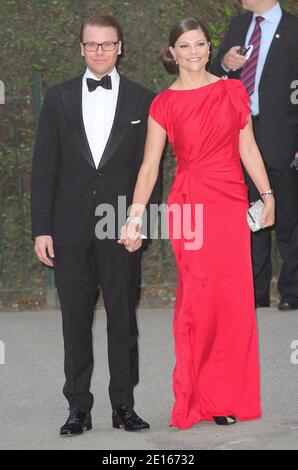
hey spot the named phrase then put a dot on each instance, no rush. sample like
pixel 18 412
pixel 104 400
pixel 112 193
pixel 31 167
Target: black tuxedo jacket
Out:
pixel 278 115
pixel 65 183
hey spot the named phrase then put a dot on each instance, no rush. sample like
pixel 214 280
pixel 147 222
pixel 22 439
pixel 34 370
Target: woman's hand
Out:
pixel 268 214
pixel 131 237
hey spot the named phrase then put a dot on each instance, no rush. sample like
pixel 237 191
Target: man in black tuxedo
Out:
pixel 88 152
pixel 270 76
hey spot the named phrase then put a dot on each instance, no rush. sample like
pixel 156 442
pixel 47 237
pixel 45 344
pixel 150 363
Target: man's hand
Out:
pixel 44 246
pixel 233 60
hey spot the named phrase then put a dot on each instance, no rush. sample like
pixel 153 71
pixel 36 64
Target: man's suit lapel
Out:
pixel 73 108
pixel 72 99
pixel 277 41
pixel 243 25
pixel 120 123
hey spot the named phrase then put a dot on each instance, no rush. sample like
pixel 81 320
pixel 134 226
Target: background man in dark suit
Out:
pixel 88 152
pixel 269 75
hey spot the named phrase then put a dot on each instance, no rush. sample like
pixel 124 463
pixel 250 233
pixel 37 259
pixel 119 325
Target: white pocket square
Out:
pixel 136 122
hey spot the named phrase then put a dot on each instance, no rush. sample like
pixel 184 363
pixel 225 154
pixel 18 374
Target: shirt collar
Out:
pixel 114 76
pixel 273 15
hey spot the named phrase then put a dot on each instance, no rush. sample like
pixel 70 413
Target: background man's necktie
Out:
pixel 248 73
pixel 105 82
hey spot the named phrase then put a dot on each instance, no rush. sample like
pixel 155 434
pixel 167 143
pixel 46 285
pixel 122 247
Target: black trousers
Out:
pixel 79 270
pixel 285 186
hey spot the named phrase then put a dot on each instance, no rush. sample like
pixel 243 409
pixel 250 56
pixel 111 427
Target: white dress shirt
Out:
pixel 99 108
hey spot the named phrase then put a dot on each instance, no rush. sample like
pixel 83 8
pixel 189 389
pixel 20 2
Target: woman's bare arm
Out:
pixel 154 145
pixel 148 173
pixel 254 165
pixel 252 159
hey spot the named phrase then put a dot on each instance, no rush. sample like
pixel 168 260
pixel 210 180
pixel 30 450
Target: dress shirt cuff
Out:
pixel 225 68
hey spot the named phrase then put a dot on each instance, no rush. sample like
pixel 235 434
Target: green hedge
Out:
pixel 42 36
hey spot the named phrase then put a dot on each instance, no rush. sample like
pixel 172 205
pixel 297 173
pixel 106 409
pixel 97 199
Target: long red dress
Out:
pixel 216 345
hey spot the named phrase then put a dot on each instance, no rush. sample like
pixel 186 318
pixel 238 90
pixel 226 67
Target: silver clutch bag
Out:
pixel 254 215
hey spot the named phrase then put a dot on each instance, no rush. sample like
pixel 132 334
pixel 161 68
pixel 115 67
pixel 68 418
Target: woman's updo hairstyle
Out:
pixel 183 26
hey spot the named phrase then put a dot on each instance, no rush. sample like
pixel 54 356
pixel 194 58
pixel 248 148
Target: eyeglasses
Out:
pixel 106 46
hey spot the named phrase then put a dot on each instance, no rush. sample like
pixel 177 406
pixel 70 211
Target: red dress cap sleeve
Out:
pixel 157 111
pixel 244 108
pixel 240 100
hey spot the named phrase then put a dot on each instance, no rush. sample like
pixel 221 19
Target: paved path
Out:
pixel 32 407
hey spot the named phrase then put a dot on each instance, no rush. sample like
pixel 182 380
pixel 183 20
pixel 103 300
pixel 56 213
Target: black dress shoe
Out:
pixel 125 417
pixel 224 420
pixel 77 423
pixel 286 305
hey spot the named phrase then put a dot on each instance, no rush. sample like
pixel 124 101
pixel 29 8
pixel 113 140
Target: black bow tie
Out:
pixel 105 82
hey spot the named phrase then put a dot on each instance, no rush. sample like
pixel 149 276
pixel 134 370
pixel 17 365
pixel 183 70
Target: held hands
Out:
pixel 233 60
pixel 131 236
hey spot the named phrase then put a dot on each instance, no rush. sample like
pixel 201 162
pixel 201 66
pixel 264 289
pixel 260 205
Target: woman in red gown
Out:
pixel 208 125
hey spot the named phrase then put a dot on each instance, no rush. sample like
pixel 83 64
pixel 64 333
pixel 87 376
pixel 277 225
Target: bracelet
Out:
pixel 268 193
pixel 135 220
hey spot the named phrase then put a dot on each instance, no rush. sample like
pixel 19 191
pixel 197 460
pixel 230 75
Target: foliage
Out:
pixel 38 35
